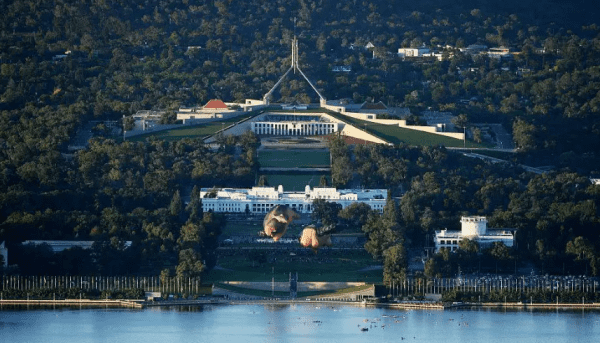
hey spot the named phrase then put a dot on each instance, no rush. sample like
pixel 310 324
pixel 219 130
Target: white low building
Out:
pixel 295 124
pixel 294 128
pixel 263 199
pixel 412 52
pixel 473 228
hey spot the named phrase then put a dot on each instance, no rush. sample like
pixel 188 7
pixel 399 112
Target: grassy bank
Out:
pixel 196 131
pixel 264 293
pixel 396 135
pixel 294 158
pixel 259 265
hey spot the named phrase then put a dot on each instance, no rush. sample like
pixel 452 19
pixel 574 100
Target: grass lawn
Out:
pixel 198 131
pixel 396 135
pixel 252 227
pixel 262 293
pixel 323 266
pixel 295 181
pixel 294 158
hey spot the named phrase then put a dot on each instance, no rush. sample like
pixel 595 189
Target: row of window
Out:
pixel 265 207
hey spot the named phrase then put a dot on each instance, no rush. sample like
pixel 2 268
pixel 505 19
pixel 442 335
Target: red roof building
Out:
pixel 215 105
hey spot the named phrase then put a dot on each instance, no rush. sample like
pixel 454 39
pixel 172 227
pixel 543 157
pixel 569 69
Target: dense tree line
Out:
pixel 555 214
pixel 124 56
pixel 63 63
pixel 114 193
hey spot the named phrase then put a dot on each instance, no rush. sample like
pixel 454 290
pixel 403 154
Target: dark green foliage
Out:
pixel 326 212
pixel 126 56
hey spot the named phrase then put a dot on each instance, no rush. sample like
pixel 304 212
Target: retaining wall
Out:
pixel 302 286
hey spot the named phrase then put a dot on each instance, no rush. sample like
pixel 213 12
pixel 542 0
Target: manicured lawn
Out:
pixel 262 293
pixel 396 135
pixel 198 131
pixel 331 267
pixel 295 181
pixel 252 227
pixel 294 158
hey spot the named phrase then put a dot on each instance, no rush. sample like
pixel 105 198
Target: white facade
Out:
pixel 412 52
pixel 500 52
pixel 263 199
pixel 473 228
pixel 294 128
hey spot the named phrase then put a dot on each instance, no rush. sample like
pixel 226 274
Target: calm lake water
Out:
pixel 294 323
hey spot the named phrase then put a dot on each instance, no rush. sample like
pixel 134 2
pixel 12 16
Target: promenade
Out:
pixel 326 301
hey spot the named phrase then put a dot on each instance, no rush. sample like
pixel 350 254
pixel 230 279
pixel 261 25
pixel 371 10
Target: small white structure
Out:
pixel 263 199
pixel 214 109
pixel 501 52
pixel 152 296
pixel 473 228
pixel 412 52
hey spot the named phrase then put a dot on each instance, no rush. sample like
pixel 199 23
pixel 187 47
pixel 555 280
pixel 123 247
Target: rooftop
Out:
pixel 215 104
pixel 278 193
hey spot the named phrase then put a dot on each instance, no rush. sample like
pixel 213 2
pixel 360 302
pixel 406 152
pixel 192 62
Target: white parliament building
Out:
pixel 295 124
pixel 473 228
pixel 262 199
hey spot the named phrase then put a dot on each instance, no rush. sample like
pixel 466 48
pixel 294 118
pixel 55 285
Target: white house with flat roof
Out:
pixel 263 199
pixel 413 52
pixel 473 228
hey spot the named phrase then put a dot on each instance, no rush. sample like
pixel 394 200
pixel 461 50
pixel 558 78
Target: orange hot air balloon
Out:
pixel 277 220
pixel 314 238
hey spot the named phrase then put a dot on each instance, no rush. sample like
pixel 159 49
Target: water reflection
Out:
pixel 295 323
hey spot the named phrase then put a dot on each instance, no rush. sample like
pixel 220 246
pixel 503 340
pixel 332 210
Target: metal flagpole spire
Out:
pixel 295 66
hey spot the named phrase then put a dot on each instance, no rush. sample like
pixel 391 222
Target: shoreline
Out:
pixel 139 304
pixel 73 302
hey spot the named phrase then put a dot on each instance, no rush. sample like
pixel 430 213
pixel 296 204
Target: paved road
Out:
pixel 503 138
pixel 497 160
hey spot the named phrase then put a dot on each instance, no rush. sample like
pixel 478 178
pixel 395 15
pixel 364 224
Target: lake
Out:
pixel 294 323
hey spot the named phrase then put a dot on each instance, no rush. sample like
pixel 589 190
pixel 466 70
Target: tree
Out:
pixel 190 264
pixel 323 181
pixel 341 171
pixel 460 120
pixel 190 235
pixel 468 246
pixel 176 204
pixel 194 207
pixel 262 181
pixel 583 249
pixel 431 268
pixel 500 253
pixel 128 123
pixel 476 135
pixel 326 212
pixel 467 252
pixel 524 135
pixel 394 264
pixel 355 215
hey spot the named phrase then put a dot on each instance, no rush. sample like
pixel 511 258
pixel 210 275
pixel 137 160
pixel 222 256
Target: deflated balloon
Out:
pixel 314 238
pixel 277 220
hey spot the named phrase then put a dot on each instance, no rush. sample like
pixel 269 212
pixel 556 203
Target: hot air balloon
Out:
pixel 277 220
pixel 315 238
